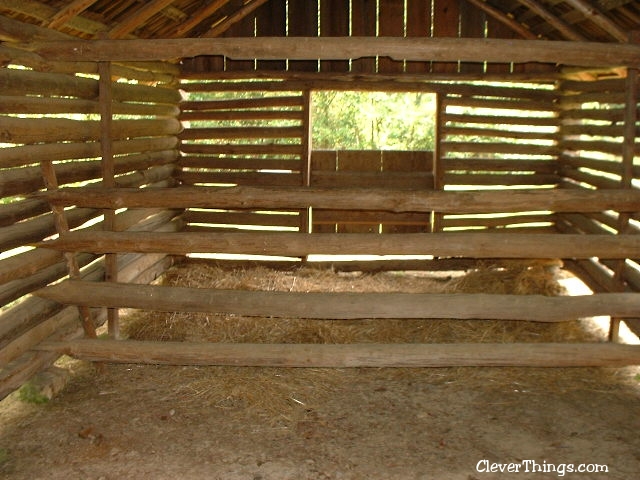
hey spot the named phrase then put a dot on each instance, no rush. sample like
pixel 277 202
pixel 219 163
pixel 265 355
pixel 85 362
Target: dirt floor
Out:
pixel 161 422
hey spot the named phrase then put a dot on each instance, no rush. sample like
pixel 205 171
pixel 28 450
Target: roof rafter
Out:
pixel 224 25
pixel 136 19
pixel 504 18
pixel 67 13
pixel 598 17
pixel 564 28
pixel 198 17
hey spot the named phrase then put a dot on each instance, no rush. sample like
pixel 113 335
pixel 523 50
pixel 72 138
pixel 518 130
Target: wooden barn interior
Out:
pixel 137 134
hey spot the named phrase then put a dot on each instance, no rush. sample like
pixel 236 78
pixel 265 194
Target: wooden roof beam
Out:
pixel 564 28
pixel 583 54
pixel 67 13
pixel 226 24
pixel 599 18
pixel 504 18
pixel 198 17
pixel 137 18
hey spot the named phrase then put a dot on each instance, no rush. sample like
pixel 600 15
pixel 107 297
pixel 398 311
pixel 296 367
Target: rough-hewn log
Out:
pixel 344 48
pixel 30 130
pixel 47 105
pixel 25 180
pixel 351 355
pixel 28 154
pixel 450 244
pixel 560 200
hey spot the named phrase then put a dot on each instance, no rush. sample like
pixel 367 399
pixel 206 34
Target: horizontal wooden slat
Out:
pixel 243 103
pixel 320 216
pixel 231 133
pixel 241 218
pixel 230 163
pixel 343 305
pixel 241 178
pixel 242 115
pixel 454 244
pixel 559 200
pixel 350 355
pixel 388 179
pixel 499 165
pixel 253 149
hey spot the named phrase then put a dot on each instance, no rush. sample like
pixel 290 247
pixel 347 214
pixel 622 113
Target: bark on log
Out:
pixel 351 355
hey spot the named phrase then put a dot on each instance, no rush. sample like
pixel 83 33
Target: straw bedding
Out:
pixel 278 392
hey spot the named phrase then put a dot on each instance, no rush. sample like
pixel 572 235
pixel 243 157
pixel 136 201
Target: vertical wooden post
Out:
pixel 62 226
pixel 437 167
pixel 108 181
pixel 305 158
pixel 628 154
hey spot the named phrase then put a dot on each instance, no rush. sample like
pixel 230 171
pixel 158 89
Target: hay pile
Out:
pixel 506 278
pixel 279 392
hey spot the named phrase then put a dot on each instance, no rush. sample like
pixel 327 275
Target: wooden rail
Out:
pixel 343 305
pixel 557 200
pixel 447 244
pixel 351 355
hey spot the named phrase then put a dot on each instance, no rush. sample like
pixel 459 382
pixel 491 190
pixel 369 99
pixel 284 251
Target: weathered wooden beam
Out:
pixel 448 244
pixel 343 305
pixel 351 355
pixel 344 48
pixel 557 200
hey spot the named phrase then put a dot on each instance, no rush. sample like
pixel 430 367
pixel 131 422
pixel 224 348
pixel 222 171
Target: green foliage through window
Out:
pixel 373 120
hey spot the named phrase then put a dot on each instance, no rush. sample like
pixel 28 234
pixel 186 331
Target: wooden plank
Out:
pixel 559 200
pixel 303 23
pixel 351 355
pixel 446 21
pixel 590 54
pixel 364 24
pixel 390 24
pixel 418 25
pixel 334 22
pixel 271 22
pixel 449 244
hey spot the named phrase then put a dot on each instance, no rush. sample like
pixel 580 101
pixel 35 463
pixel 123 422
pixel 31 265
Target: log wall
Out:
pixel 54 133
pixel 241 135
pixel 598 144
pixel 496 137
